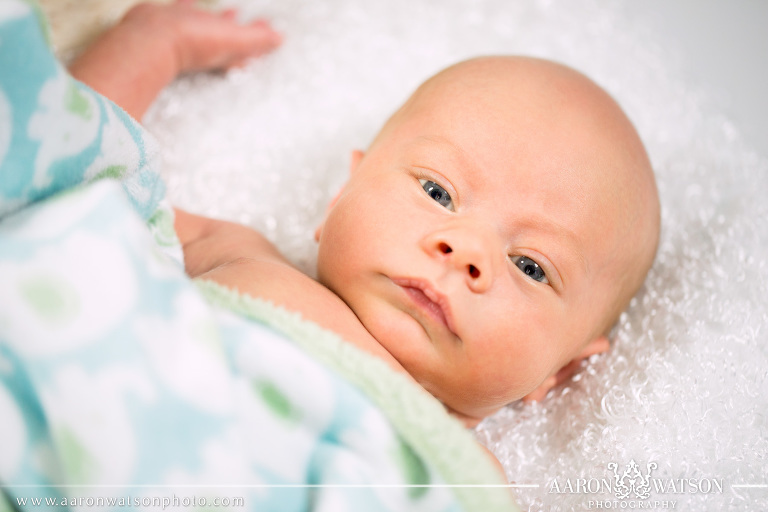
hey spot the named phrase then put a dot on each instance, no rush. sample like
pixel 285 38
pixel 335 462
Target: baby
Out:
pixel 485 242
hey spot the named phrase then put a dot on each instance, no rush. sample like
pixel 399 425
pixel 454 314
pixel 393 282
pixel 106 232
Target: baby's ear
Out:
pixel 354 161
pixel 596 346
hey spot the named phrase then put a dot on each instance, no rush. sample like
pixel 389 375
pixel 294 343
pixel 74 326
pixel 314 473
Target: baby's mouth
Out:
pixel 428 300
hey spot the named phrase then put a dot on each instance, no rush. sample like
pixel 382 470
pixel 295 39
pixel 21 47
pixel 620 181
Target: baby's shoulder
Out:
pixel 242 259
pixel 277 281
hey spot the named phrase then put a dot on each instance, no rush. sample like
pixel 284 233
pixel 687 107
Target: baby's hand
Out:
pixel 204 40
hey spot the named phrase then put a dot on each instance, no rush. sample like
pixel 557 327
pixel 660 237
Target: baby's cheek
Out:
pixel 525 352
pixel 332 267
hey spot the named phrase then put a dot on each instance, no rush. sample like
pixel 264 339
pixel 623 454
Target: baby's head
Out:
pixel 494 230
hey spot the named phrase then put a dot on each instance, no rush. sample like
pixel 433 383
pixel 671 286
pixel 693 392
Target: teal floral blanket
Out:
pixel 123 383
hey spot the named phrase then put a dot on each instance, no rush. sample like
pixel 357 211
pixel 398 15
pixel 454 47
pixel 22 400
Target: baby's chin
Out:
pixel 475 410
pixel 471 416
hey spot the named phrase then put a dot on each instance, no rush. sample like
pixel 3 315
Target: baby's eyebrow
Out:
pixel 457 157
pixel 561 234
pixel 429 141
pixel 437 139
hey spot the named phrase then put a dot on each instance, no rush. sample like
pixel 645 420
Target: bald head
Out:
pixel 494 230
pixel 553 114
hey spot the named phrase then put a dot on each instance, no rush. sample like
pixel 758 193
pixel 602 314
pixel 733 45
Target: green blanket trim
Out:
pixel 419 419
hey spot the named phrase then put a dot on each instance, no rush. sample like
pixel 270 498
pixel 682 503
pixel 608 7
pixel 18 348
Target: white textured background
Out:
pixel 686 384
pixel 723 48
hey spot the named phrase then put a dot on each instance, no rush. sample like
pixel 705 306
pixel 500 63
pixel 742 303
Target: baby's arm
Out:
pixel 132 62
pixel 243 259
pixel 210 243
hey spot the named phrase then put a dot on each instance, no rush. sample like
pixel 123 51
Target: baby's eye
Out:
pixel 437 193
pixel 530 268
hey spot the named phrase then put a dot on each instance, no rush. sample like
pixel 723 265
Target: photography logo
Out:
pixel 632 482
pixel 634 486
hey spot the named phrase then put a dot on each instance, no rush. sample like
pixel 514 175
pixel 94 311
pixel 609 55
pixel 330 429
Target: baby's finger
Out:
pixel 264 36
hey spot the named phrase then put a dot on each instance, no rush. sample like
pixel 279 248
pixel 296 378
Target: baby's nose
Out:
pixel 464 252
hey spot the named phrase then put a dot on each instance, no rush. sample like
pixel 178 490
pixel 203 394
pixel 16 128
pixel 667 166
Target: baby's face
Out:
pixel 475 241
